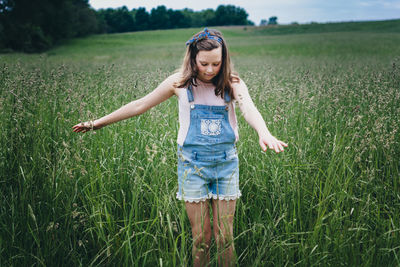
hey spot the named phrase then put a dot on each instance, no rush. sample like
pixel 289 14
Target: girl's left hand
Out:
pixel 272 143
pixel 85 127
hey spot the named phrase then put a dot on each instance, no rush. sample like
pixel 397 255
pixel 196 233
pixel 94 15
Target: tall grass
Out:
pixel 331 199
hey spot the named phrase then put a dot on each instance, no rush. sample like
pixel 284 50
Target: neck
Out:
pixel 207 82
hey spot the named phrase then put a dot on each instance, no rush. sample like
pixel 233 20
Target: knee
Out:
pixel 202 237
pixel 224 240
pixel 223 236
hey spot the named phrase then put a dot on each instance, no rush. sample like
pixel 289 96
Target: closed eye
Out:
pixel 214 64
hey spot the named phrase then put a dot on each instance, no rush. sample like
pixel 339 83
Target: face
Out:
pixel 208 64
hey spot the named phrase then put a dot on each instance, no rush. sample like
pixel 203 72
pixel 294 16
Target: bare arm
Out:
pixel 164 91
pixel 254 118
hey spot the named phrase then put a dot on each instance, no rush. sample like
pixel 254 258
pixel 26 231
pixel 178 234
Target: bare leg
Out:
pixel 223 213
pixel 199 218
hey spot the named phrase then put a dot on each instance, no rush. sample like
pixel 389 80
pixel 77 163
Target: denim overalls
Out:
pixel 208 164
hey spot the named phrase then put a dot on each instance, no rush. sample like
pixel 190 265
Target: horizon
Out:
pixel 287 11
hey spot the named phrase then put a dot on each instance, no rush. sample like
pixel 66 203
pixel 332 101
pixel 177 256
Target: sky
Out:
pixel 287 11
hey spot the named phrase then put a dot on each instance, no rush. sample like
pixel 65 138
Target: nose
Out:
pixel 209 69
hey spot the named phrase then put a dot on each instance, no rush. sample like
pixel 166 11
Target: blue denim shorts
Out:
pixel 208 174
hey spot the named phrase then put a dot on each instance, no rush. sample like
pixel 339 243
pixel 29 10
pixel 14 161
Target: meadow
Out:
pixel 108 198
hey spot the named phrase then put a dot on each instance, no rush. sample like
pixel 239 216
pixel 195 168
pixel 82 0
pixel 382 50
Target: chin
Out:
pixel 204 78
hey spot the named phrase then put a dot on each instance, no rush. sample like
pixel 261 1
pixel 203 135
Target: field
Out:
pixel 108 198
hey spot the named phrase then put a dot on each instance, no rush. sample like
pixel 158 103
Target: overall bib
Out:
pixel 208 164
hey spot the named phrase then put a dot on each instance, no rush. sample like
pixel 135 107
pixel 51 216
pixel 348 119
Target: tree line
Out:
pixel 34 26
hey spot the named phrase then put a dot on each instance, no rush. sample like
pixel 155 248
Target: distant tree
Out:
pixel 188 14
pixel 86 21
pixel 263 22
pixel 273 20
pixel 30 25
pixel 101 22
pixel 117 20
pixel 251 23
pixel 142 19
pixel 124 20
pixel 195 19
pixel 177 19
pixel 222 16
pixel 37 25
pixel 209 17
pixel 230 15
pixel 159 18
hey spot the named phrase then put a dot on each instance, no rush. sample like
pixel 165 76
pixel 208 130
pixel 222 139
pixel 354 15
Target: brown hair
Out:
pixel 226 75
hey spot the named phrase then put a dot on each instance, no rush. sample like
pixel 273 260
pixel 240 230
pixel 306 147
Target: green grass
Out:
pixel 331 199
pixel 388 26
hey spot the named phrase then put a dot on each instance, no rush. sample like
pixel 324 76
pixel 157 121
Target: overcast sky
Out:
pixel 287 11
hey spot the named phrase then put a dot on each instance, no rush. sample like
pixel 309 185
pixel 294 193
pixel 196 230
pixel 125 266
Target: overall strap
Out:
pixel 227 96
pixel 189 91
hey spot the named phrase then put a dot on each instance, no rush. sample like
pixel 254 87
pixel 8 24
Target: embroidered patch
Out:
pixel 210 127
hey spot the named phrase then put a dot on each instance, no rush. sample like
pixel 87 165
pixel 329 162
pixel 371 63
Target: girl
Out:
pixel 208 173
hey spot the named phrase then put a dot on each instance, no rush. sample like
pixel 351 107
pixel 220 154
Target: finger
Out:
pixel 77 125
pixel 270 146
pixel 263 146
pixel 276 148
pixel 280 147
pixel 284 144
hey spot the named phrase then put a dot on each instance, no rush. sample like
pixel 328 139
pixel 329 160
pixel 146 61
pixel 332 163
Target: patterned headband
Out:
pixel 205 34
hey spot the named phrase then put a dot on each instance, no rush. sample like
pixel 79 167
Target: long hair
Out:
pixel 226 75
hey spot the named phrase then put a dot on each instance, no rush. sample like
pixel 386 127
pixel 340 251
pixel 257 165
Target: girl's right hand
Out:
pixel 269 141
pixel 84 127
